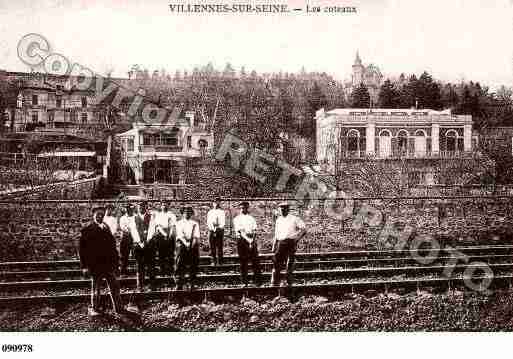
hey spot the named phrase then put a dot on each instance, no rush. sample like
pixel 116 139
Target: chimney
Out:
pixel 189 115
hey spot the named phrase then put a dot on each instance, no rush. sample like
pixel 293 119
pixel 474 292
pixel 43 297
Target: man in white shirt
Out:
pixel 289 229
pixel 145 250
pixel 111 220
pixel 215 224
pixel 163 226
pixel 245 227
pixel 128 231
pixel 187 248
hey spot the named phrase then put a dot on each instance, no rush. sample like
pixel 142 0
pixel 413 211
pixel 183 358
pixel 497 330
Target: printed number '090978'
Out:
pixel 16 348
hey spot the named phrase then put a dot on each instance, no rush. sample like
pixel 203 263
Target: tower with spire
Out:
pixel 358 70
pixel 369 75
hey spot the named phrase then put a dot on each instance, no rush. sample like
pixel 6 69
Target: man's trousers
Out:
pixel 216 245
pixel 248 252
pixel 144 259
pixel 186 257
pixel 124 251
pixel 166 253
pixel 113 284
pixel 284 255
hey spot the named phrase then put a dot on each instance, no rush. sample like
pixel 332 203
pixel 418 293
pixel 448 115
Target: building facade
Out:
pixel 62 154
pixel 348 135
pixel 158 152
pixel 369 75
pixel 50 102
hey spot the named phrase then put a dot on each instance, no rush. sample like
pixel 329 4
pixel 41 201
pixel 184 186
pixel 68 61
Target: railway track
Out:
pixel 362 255
pixel 232 278
pixel 349 269
pixel 71 273
pixel 235 293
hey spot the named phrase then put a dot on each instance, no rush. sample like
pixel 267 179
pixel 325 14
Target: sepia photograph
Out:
pixel 297 166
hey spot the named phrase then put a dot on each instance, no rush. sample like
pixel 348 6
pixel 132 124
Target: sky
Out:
pixel 452 40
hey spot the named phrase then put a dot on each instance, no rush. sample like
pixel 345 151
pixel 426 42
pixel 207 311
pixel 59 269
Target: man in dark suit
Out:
pixel 99 257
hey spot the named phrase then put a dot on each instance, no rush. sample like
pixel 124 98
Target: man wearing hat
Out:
pixel 99 257
pixel 143 249
pixel 110 219
pixel 215 223
pixel 128 232
pixel 245 227
pixel 187 248
pixel 165 224
pixel 289 229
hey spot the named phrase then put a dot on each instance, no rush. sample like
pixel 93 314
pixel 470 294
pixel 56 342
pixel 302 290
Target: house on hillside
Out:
pixel 158 152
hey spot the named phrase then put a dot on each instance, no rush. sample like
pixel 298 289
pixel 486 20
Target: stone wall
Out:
pixel 82 189
pixel 49 230
pixel 205 180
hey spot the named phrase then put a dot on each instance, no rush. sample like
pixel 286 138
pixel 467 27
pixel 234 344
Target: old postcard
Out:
pixel 296 166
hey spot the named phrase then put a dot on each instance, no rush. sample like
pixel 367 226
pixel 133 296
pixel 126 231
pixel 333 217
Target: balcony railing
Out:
pixel 407 155
pixel 160 148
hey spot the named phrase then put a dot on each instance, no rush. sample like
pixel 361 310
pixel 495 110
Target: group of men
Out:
pixel 149 235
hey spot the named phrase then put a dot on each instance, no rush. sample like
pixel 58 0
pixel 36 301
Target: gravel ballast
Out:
pixel 454 311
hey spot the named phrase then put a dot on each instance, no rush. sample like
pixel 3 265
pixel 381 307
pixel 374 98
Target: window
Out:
pixel 451 141
pixel 189 141
pixel 35 117
pixel 34 100
pixel 385 143
pixel 169 139
pixel 19 101
pixel 84 101
pixel 74 116
pixel 353 138
pixel 148 139
pixel 83 117
pixel 58 102
pixel 402 142
pixel 51 117
pixel 420 143
pixel 130 145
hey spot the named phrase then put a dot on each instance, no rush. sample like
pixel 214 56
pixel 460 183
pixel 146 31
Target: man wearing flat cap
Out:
pixel 289 229
pixel 215 224
pixel 245 227
pixel 187 248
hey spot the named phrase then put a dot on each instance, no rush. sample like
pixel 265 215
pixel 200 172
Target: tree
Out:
pixel 360 97
pixel 408 92
pixel 316 101
pixel 449 96
pixel 427 92
pixel 286 105
pixel 388 95
pixel 8 96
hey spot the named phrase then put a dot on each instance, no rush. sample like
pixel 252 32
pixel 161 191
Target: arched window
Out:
pixel 402 141
pixel 420 143
pixel 451 141
pixel 385 143
pixel 353 140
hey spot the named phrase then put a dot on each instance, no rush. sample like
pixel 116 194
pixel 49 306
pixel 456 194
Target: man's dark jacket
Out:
pixel 97 249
